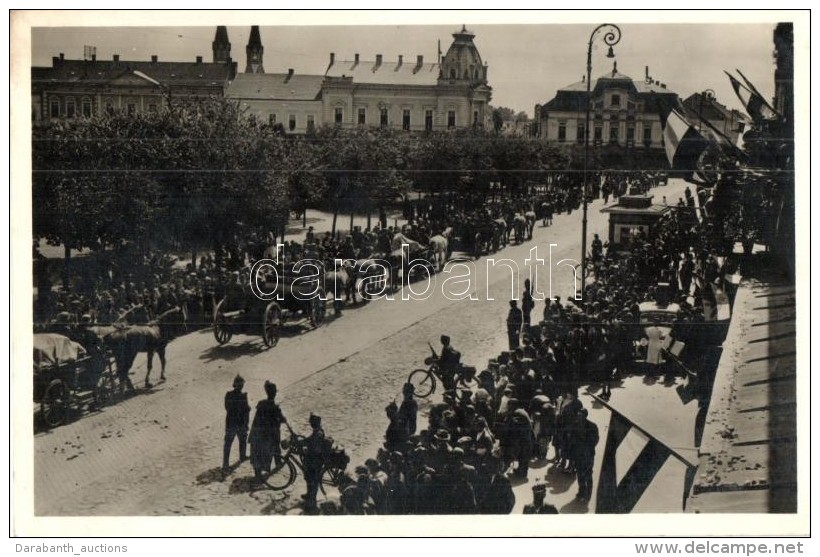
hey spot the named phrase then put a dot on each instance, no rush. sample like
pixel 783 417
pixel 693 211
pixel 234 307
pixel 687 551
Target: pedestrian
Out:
pixel 527 302
pixel 515 319
pixel 237 415
pixel 587 441
pixel 409 409
pixel 314 450
pixel 538 506
pixel 265 436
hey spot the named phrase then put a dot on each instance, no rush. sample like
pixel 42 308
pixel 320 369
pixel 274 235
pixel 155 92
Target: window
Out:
pixel 428 120
pixel 109 107
pixel 383 120
pixel 405 119
pixel 647 134
pixel 580 133
pixel 55 108
pixel 452 74
pixel 87 108
pixel 311 124
pixel 562 131
pixel 70 108
pixel 132 109
pixel 451 118
pixel 152 107
pixel 338 115
pixel 292 122
pixel 599 133
pixel 630 105
pixel 630 134
pixel 613 134
pixel 615 101
pixel 272 119
pixel 475 117
pixel 362 116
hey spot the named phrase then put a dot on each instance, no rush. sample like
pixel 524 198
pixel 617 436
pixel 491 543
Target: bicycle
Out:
pixel 284 472
pixel 424 380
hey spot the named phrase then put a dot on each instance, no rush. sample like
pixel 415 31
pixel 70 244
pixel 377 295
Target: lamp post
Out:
pixel 612 35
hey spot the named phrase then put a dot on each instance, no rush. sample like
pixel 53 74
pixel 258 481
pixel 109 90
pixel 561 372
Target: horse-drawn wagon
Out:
pixel 68 378
pixel 287 298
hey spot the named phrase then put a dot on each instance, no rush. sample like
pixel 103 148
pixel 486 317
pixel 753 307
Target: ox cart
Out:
pixel 67 378
pixel 243 312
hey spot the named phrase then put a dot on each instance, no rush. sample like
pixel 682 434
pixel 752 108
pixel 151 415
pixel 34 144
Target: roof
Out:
pixel 651 210
pixel 279 86
pixel 389 72
pixel 103 71
pixel 572 96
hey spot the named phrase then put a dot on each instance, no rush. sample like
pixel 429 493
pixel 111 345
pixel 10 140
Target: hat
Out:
pixel 314 420
pixel 238 380
pixel 371 462
pixel 442 435
pixel 465 440
pixel 270 388
pixel 408 388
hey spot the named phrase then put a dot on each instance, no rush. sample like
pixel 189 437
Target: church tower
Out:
pixel 462 63
pixel 254 52
pixel 221 46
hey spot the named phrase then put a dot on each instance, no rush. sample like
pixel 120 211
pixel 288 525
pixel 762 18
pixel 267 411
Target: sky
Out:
pixel 528 62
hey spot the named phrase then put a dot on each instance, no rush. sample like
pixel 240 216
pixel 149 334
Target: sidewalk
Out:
pixel 748 455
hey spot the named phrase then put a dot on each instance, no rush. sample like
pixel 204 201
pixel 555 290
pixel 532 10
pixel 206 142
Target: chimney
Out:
pixel 290 75
pixel 583 79
pixel 55 61
pixel 332 58
pixel 116 58
pixel 663 85
pixel 419 63
pixel 154 58
pixel 62 56
pixel 199 59
pixel 401 60
pixel 356 58
pixel 93 57
pixel 378 62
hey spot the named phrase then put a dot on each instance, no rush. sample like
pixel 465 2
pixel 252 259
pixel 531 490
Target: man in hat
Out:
pixel 265 436
pixel 587 438
pixel 236 421
pixel 515 319
pixel 314 448
pixel 539 493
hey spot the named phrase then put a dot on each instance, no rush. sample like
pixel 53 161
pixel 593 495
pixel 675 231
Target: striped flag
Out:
pixel 753 102
pixel 682 142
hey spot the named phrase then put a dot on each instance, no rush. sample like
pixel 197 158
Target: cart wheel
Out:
pixel 270 327
pixel 221 331
pixel 104 390
pixel 423 381
pixel 55 404
pixel 318 308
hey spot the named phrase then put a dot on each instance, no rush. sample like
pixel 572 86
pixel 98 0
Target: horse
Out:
pixel 531 218
pixel 341 281
pixel 520 227
pixel 440 246
pixel 128 341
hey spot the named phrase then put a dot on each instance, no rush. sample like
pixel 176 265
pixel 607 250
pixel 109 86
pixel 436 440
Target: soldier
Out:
pixel 527 302
pixel 539 493
pixel 265 434
pixel 409 409
pixel 587 441
pixel 314 447
pixel 236 421
pixel 448 363
pixel 515 319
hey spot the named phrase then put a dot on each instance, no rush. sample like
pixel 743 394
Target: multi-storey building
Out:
pixel 82 88
pixel 731 123
pixel 623 112
pixel 409 94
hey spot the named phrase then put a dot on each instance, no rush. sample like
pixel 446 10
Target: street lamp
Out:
pixel 612 35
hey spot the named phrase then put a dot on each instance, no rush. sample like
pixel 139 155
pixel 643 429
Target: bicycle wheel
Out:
pixel 281 476
pixel 330 477
pixel 423 381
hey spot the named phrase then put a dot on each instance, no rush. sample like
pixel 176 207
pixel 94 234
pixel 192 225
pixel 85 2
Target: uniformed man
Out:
pixel 587 441
pixel 236 421
pixel 448 363
pixel 539 493
pixel 515 320
pixel 314 460
pixel 265 436
pixel 527 302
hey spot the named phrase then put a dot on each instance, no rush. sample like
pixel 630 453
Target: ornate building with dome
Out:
pixel 410 94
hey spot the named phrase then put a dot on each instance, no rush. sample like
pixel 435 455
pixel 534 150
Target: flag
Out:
pixel 753 102
pixel 683 143
pixel 754 90
pixel 713 134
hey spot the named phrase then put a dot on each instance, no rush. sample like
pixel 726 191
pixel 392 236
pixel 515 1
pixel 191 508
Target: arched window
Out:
pixel 453 73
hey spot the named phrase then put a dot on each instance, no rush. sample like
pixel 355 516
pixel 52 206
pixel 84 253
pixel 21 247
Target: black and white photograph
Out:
pixel 409 264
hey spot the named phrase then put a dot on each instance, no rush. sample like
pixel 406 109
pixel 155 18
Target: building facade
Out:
pixel 83 88
pixel 413 95
pixel 624 112
pixel 731 123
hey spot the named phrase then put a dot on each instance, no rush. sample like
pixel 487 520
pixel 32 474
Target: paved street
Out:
pixel 158 453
